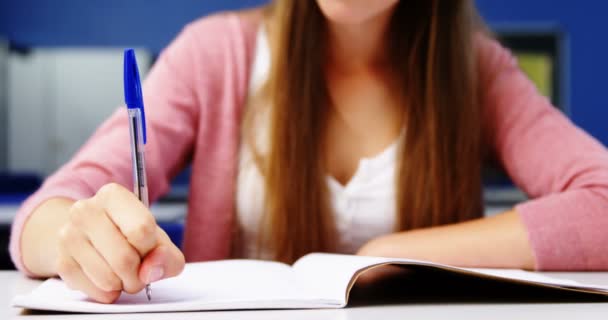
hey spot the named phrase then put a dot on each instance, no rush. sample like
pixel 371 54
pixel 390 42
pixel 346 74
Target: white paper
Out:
pixel 229 284
pixel 315 281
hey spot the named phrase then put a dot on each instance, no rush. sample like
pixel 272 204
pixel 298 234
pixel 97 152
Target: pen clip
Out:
pixel 132 86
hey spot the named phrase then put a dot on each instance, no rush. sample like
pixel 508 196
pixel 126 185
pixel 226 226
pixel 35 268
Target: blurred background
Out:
pixel 61 75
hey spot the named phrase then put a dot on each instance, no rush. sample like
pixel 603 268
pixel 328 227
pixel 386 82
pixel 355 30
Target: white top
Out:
pixel 364 208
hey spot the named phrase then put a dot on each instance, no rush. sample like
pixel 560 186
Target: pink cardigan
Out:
pixel 194 97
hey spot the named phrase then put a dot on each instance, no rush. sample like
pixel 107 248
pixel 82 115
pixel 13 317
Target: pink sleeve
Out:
pixel 562 168
pixel 172 113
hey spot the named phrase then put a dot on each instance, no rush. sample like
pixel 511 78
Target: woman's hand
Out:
pixel 111 243
pixel 500 241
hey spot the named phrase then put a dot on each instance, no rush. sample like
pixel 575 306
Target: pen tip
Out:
pixel 148 292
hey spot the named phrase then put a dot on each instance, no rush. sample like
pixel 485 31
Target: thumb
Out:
pixel 163 261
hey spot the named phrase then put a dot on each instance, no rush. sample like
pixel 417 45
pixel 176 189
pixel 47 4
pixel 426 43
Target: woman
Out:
pixel 341 126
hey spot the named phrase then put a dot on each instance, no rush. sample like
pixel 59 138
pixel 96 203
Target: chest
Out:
pixel 364 118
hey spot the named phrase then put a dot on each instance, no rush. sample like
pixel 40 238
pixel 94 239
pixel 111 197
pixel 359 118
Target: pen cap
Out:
pixel 132 85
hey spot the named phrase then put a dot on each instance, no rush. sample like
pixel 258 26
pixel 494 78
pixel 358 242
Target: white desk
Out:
pixel 12 283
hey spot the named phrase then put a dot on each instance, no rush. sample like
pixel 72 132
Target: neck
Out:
pixel 355 47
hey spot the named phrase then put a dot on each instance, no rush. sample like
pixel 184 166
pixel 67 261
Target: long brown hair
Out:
pixel 438 178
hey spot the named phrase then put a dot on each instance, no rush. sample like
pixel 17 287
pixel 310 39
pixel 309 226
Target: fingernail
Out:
pixel 155 274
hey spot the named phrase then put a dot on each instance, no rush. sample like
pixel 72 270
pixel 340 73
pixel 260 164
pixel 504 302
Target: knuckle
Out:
pixel 126 261
pixel 78 206
pixel 76 211
pixel 141 232
pixel 108 190
pixel 110 282
pixel 68 235
pixel 81 211
pixel 65 267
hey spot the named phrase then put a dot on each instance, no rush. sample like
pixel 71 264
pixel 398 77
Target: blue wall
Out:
pixel 584 24
pixel 147 23
pixel 152 23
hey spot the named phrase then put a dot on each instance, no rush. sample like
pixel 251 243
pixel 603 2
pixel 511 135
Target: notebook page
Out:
pixel 229 284
pixel 523 275
pixel 330 275
pixel 520 275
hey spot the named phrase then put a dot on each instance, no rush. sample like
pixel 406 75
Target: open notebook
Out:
pixel 316 280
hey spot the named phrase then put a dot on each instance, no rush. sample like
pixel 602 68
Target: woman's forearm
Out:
pixel 500 241
pixel 39 240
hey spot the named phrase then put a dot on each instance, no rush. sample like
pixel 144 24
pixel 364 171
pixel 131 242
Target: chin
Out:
pixel 354 11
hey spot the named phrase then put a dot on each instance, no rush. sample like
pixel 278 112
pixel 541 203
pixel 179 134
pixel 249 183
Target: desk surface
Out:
pixel 13 283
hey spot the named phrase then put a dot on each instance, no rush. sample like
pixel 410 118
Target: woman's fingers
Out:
pixel 122 258
pixel 131 217
pixel 102 246
pixel 75 279
pixel 95 267
pixel 164 261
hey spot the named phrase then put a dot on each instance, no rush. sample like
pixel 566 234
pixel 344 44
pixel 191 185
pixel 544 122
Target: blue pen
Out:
pixel 137 129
